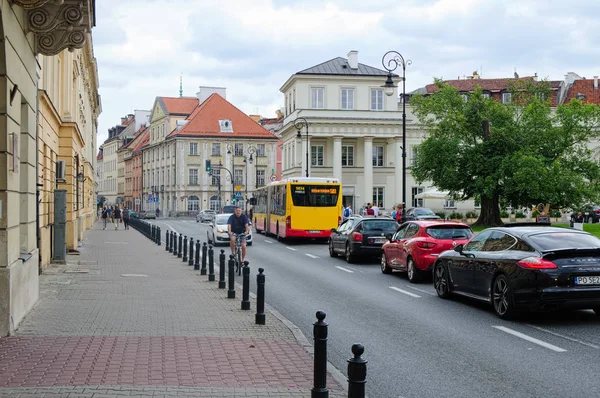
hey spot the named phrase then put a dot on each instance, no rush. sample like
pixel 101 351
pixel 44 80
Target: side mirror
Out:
pixel 334 230
pixel 389 237
pixel 458 248
pixel 211 225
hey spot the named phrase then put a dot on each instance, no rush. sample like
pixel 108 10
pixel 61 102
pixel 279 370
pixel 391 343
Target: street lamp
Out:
pixel 248 160
pixel 299 123
pixel 391 61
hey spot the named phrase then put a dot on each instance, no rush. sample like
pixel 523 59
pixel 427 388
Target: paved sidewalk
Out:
pixel 127 318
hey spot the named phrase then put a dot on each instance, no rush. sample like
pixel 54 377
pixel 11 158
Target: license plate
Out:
pixel 587 280
pixel 314 232
pixel 380 240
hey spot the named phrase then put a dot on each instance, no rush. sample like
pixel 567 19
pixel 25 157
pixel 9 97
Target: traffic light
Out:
pixel 233 200
pixel 208 168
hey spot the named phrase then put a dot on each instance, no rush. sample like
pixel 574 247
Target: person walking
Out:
pixel 125 216
pixel 117 214
pixel 400 214
pixel 104 216
pixel 375 209
pixel 348 212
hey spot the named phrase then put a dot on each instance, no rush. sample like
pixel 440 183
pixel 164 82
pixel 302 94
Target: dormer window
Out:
pixel 225 126
pixel 465 97
pixel 486 95
pixel 580 96
pixel 506 98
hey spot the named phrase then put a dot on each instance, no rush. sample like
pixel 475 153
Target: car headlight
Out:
pixel 219 230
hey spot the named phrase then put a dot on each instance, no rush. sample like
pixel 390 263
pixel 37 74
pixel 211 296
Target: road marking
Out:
pixel 404 291
pixel 564 337
pixel 116 243
pixel 344 269
pixel 290 248
pixel 311 255
pixel 268 241
pixel 530 339
pixel 169 225
pixel 421 290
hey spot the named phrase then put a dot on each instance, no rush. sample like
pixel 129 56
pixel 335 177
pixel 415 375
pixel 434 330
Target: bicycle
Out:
pixel 238 252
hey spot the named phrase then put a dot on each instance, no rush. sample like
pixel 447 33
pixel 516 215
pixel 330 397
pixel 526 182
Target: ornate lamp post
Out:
pixel 248 160
pixel 391 61
pixel 299 123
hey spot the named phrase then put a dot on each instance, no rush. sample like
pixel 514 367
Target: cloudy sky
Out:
pixel 252 46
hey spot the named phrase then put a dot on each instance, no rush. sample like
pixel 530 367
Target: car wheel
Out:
pixel 249 243
pixel 208 238
pixel 414 274
pixel 502 298
pixel 332 252
pixel 349 255
pixel 440 281
pixel 384 265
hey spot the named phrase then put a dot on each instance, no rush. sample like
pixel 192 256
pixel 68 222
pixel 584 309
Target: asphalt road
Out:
pixel 417 344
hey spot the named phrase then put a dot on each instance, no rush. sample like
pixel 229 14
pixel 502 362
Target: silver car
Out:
pixel 205 215
pixel 217 233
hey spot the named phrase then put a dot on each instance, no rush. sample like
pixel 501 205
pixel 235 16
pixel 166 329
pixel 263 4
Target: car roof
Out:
pixel 532 230
pixel 435 223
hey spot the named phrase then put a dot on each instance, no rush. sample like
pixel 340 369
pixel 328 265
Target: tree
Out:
pixel 516 154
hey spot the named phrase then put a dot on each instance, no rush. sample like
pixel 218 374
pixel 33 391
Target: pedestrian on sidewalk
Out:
pixel 104 216
pixel 117 214
pixel 126 217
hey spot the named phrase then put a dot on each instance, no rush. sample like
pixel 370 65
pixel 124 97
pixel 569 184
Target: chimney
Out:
pixel 130 116
pixel 123 120
pixel 205 92
pixel 595 81
pixel 353 59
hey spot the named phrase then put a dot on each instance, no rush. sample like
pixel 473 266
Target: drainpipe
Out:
pixel 37 172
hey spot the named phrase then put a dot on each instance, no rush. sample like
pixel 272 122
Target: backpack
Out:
pixel 394 214
pixel 346 212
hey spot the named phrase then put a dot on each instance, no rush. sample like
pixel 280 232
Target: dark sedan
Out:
pixel 358 236
pixel 420 213
pixel 524 268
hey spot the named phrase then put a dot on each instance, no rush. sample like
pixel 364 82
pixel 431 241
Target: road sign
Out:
pixel 156 199
pixel 238 188
pixel 273 177
pixel 238 195
pixel 137 201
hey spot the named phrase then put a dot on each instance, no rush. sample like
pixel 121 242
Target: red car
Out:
pixel 417 244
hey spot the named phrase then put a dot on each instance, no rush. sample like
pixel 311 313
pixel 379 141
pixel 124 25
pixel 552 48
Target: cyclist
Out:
pixel 236 225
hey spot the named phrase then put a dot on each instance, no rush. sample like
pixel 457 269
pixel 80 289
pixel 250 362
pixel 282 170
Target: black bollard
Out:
pixel 152 233
pixel 158 237
pixel 231 277
pixel 170 241
pixel 204 254
pixel 222 269
pixel 191 254
pixel 167 242
pixel 185 247
pixel 259 319
pixel 175 244
pixel 357 373
pixel 179 253
pixel 319 389
pixel 211 264
pixel 197 261
pixel 246 287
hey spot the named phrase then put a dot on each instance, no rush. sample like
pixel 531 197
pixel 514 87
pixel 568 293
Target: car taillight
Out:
pixel 425 245
pixel 339 220
pixel 357 236
pixel 597 211
pixel 536 263
pixel 288 221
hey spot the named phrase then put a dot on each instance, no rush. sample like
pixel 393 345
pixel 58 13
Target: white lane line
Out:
pixel 311 255
pixel 530 339
pixel 344 269
pixel 421 290
pixel 404 291
pixel 290 248
pixel 268 241
pixel 169 225
pixel 585 343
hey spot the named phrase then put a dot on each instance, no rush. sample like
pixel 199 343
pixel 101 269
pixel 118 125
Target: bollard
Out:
pixel 231 277
pixel 197 262
pixel 211 264
pixel 246 287
pixel 185 247
pixel 170 241
pixel 319 389
pixel 158 237
pixel 357 373
pixel 167 242
pixel 191 254
pixel 259 319
pixel 204 254
pixel 222 269
pixel 179 246
pixel 152 233
pixel 175 244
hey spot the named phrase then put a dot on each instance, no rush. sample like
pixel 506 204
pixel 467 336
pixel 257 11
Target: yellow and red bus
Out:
pixel 301 207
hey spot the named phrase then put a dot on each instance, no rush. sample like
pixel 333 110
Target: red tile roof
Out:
pixel 493 85
pixel 204 122
pixel 180 106
pixel 142 140
pixel 586 87
pixel 100 155
pixel 129 121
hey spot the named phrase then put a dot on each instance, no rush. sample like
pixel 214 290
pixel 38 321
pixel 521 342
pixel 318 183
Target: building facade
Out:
pixel 132 197
pixel 23 38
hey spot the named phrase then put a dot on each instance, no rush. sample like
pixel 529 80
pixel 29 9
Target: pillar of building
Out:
pixel 368 171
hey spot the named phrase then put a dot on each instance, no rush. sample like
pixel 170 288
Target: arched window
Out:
pixel 214 203
pixel 193 203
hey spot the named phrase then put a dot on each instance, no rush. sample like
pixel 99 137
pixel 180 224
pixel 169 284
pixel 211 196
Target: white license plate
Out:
pixel 314 232
pixel 587 280
pixel 379 240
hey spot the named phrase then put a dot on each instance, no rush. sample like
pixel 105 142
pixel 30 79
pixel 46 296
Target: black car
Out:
pixel 524 269
pixel 358 236
pixel 420 213
pixel 590 213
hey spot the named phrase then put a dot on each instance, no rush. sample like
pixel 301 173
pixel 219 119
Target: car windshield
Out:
pixel 424 212
pixel 449 232
pixel 222 219
pixel 564 240
pixel 315 195
pixel 380 225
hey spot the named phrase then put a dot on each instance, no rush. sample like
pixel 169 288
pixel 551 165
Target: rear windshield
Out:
pixel 315 195
pixel 449 232
pixel 380 225
pixel 424 212
pixel 564 240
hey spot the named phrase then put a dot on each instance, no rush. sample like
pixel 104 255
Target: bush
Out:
pixel 503 214
pixel 441 214
pixel 555 213
pixel 520 214
pixel 471 214
pixel 456 216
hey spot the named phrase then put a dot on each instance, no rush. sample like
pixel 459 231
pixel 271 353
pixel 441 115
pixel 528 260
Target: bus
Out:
pixel 301 207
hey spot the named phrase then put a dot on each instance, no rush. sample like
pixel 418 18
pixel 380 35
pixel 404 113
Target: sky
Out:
pixel 252 47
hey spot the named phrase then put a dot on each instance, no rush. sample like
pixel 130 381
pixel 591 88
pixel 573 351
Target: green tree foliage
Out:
pixel 516 154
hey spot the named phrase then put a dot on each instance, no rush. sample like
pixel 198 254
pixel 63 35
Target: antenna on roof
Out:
pixel 181 85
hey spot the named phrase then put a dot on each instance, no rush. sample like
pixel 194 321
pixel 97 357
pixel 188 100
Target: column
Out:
pixel 398 170
pixel 368 167
pixel 337 157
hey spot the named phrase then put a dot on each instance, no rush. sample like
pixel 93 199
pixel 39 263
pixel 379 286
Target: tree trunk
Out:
pixel 490 212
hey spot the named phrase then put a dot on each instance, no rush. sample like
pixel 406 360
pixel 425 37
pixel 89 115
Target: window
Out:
pixel 449 204
pixel 465 97
pixel 193 149
pixel 193 203
pixel 169 177
pixel 214 203
pixel 260 177
pixel 216 177
pixel 347 156
pixel 294 101
pixel 486 95
pixel 316 155
pixel 498 241
pixel 378 196
pixel 506 98
pixel 415 155
pixel 261 150
pixel 193 177
pixel 238 149
pixel 347 98
pixel 376 99
pixel 476 243
pixel 416 202
pixel 314 195
pixel 216 149
pixel 238 177
pixel 317 97
pixel 378 156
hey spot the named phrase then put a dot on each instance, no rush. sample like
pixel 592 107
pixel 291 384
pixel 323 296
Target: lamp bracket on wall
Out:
pixel 13 93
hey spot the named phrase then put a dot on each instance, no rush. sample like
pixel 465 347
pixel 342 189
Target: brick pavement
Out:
pixel 125 317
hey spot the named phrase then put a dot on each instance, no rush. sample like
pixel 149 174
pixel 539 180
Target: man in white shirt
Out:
pixel 375 209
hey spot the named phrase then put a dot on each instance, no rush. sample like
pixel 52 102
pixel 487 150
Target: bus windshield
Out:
pixel 315 195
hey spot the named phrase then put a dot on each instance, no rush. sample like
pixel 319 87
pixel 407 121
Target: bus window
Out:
pixel 315 195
